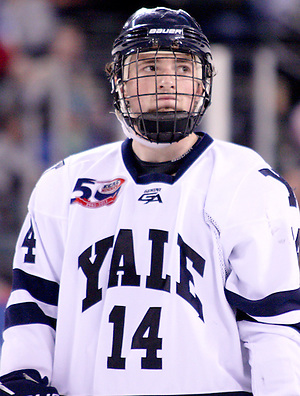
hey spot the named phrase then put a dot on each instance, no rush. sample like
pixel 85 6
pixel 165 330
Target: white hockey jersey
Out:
pixel 159 284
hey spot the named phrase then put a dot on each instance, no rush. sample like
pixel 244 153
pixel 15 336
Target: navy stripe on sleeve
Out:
pixel 26 313
pixel 242 316
pixel 42 289
pixel 272 305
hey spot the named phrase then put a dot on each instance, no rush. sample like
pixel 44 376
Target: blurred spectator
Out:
pixel 51 104
pixel 27 25
pixel 18 173
pixel 64 102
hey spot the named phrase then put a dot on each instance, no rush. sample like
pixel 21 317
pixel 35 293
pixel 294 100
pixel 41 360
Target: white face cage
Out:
pixel 161 95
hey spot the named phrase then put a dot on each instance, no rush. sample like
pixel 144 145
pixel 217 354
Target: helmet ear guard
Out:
pixel 159 30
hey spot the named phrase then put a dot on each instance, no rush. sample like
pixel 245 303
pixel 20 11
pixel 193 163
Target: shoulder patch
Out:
pixel 96 194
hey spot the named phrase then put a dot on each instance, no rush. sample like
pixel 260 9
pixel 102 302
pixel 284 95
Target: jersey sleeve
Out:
pixel 31 312
pixel 261 245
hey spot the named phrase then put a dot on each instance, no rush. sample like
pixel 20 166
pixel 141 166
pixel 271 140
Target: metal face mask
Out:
pixel 161 94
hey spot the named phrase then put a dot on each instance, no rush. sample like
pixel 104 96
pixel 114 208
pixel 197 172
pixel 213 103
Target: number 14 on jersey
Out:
pixel 145 337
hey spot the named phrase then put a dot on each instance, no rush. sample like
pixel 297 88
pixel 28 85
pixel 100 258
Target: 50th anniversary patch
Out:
pixel 92 193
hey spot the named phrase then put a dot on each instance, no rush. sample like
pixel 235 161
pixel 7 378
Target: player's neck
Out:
pixel 167 153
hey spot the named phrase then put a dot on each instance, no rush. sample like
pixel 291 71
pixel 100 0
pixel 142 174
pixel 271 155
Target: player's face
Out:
pixel 162 81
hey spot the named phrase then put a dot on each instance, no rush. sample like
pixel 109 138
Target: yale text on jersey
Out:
pixel 122 271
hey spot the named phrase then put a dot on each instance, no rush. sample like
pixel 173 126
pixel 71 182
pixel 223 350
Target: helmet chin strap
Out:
pixel 164 127
pixel 131 134
pixel 161 129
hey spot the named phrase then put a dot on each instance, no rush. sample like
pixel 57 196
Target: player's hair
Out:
pixel 158 30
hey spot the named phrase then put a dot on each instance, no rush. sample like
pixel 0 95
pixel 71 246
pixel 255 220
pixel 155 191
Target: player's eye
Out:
pixel 149 68
pixel 185 69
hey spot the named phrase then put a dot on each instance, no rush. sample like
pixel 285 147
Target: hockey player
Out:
pixel 162 265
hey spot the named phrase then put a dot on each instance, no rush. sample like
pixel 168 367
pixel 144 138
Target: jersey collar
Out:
pixel 189 159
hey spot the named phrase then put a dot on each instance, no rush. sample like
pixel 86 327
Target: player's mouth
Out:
pixel 166 102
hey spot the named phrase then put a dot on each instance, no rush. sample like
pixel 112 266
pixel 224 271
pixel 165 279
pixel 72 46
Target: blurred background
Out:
pixel 55 98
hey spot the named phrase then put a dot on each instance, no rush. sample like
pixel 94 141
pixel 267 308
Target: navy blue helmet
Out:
pixel 158 32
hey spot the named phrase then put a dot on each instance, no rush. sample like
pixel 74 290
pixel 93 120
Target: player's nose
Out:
pixel 166 81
